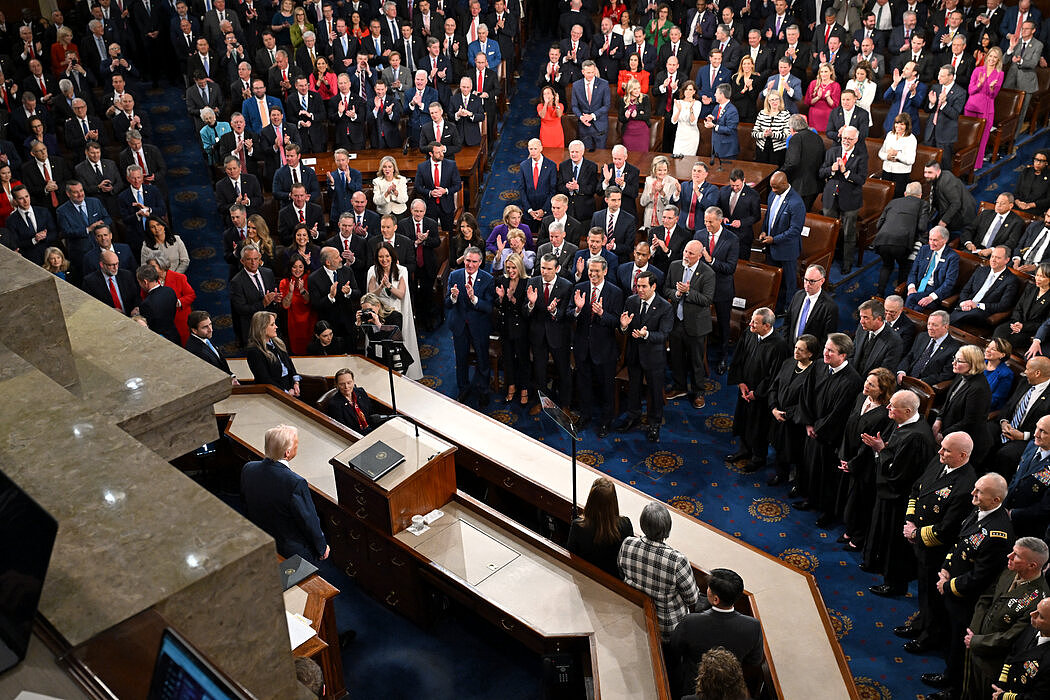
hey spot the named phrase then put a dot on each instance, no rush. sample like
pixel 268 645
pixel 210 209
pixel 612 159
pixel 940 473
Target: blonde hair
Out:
pixel 998 57
pixel 265 242
pixel 510 209
pixel 257 334
pixel 388 159
pixel 774 95
pixel 62 266
pixel 517 262
pixel 278 440
pixel 974 357
pixel 657 161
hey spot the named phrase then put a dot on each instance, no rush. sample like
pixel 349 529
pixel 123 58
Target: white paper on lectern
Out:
pixel 298 631
pixel 26 695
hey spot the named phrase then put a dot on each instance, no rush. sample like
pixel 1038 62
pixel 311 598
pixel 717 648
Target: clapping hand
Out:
pixel 579 300
pixel 532 294
pixel 500 292
pixel 454 293
pixel 579 266
pixel 875 441
pixel 470 291
pixel 625 320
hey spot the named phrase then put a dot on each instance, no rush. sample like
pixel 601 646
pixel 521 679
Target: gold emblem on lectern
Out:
pixel 380 455
pixel 289 571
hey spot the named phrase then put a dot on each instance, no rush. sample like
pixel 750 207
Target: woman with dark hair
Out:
pixel 967 402
pixel 388 280
pixel 180 284
pixel 325 341
pixel 301 247
pixel 785 394
pixel 597 535
pixel 295 299
pixel 550 110
pixel 613 9
pixel 635 70
pixel 322 80
pixel 999 375
pixel 466 234
pixel 267 355
pixel 857 461
pixel 8 183
pixel 1031 309
pixel 657 31
pixel 898 153
pixel 161 240
pixel 38 132
pixel 720 677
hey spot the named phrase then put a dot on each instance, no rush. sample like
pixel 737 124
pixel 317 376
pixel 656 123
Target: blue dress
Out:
pixel 1001 380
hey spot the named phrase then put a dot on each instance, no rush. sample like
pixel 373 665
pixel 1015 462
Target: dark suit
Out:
pixel 278 500
pixel 470 325
pixel 696 633
pixel 226 195
pixel 441 208
pixel 821 319
pixel 73 228
pixel 837 122
pixel 999 297
pixel 282 184
pixel 903 327
pixel 882 350
pixel 609 60
pixel 895 95
pixel 630 177
pixel 450 137
pixel 625 276
pixel 581 201
pixel 75 136
pixel 938 367
pixel 966 406
pixel 646 358
pixel 550 334
pixel 679 237
pixel 565 258
pixel 708 196
pixel 340 409
pixel 688 336
pixel 574 231
pixel 942 283
pixel 362 254
pixel 844 193
pixel 350 126
pixel 158 307
pixel 747 211
pixel 34 181
pixel 339 313
pixel 1004 456
pixel 594 348
pixel 214 358
pixel 1009 233
pixel 723 261
pixel 786 231
pixel 30 248
pixel 313 138
pixel 94 255
pixel 421 276
pixel 128 289
pixel 468 126
pixel 341 190
pixel 1028 499
pixel 272 151
pixel 802 163
pixel 246 299
pixel 945 132
pixel 288 219
pixel 228 146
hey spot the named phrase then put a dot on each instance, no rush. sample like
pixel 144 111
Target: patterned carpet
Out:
pixel 685 469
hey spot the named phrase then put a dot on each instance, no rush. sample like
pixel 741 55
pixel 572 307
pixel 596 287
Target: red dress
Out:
pixel 181 286
pixel 301 318
pixel 551 133
pixel 7 206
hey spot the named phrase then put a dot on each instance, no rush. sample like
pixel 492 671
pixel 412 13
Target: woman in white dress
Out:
pixel 687 116
pixel 862 84
pixel 389 281
pixel 898 154
pixel 659 189
pixel 390 189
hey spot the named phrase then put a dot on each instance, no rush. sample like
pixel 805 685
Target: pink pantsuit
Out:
pixel 984 86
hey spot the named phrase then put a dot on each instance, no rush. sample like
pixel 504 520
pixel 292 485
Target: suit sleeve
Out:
pixel 303 507
pixel 951 274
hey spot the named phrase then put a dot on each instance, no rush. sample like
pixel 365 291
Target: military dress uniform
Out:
pixel 937 506
pixel 1029 503
pixel 1000 618
pixel 1026 673
pixel 976 560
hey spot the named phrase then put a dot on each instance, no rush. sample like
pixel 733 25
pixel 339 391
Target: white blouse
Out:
pixel 906 147
pixel 395 204
pixel 867 95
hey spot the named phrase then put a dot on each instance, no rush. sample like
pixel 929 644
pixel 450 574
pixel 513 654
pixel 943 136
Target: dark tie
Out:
pixel 924 359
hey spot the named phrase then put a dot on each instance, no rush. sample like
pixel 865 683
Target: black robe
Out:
pixel 755 363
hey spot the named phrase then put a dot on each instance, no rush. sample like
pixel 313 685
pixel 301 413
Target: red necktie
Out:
pixel 54 193
pixel 719 115
pixel 437 133
pixel 346 244
pixel 827 34
pixel 142 162
pixel 362 421
pixel 302 219
pixel 43 86
pixel 116 297
pixel 437 180
pixel 712 250
pixel 546 293
pixel 280 146
pixel 594 295
pixel 480 81
pixel 419 246
pixel 634 282
pixel 535 175
pixel 691 222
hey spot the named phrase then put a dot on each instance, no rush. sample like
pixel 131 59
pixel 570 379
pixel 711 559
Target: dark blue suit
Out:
pixel 706 87
pixel 439 208
pixel 94 255
pixel 595 135
pixel 282 184
pixel 748 210
pixel 539 196
pixel 786 231
pixel 585 255
pixel 29 248
pixel 723 262
pixel 623 233
pixel 942 283
pixel 278 500
pixel 134 230
pixel 341 191
pixel 595 348
pixel 911 104
pixel 250 110
pixel 625 276
pixel 724 141
pixel 73 228
pixel 417 117
pixel 471 325
pixel 707 197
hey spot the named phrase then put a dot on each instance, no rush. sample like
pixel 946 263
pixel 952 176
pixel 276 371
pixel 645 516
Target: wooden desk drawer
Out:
pixel 362 502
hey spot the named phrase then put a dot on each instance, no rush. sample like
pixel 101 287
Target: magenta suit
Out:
pixel 819 110
pixel 984 86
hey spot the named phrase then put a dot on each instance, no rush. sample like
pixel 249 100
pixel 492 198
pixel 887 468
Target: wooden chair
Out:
pixel 964 155
pixel 312 388
pixel 569 125
pixel 1039 107
pixel 1004 126
pixel 747 144
pixel 923 390
pixel 877 195
pixel 615 130
pixel 756 285
pixel 968 262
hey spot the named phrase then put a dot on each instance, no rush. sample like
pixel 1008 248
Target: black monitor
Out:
pixel 27 536
pixel 181 673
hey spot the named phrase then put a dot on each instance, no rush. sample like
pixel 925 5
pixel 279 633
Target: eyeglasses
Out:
pixel 958 361
pixel 816 281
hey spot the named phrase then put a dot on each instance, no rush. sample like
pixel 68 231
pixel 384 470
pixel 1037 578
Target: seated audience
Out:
pixel 350 405
pixel 597 534
pixel 267 354
pixel 325 342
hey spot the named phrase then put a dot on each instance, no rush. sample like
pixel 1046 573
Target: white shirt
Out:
pixel 988 282
pixel 982 514
pixel 836 370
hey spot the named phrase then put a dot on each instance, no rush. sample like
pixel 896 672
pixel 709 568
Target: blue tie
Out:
pixel 929 273
pixel 1022 408
pixel 802 318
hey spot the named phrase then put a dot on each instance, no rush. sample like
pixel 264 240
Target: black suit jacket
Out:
pixel 339 408
pixel 723 261
pixel 1001 295
pixel 748 210
pixel 407 228
pixel 581 201
pixel 449 137
pixel 339 313
pixel 197 346
pixel 246 299
pixel 903 327
pixel 574 230
pixel 884 350
pixel 1038 408
pixel 648 352
pixel 696 304
pixel 939 368
pixel 158 307
pixel 846 188
pixel 1009 233
pixel 552 330
pixel 699 632
pixel 623 231
pixel 837 122
pixel 95 284
pixel 226 195
pixel 823 317
pixel 679 237
pixel 595 339
pixel 287 220
pixel 802 162
pixel 34 181
pixel 314 138
pixel 406 252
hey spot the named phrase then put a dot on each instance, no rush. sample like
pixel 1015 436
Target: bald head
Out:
pixel 906 400
pixel 990 491
pixel 956 449
pixel 1038 369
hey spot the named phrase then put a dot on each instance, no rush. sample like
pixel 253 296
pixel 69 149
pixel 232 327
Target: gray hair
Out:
pixel 895 298
pixel 158 257
pixel 133 134
pixel 599 260
pixel 714 211
pixel 913 189
pixel 249 248
pixel 942 316
pixel 1037 547
pixel 278 440
pixel 474 250
pixel 655 521
pixel 725 90
pixel 940 231
pixel 766 315
pixel 207 111
pixel 798 122
pixel 556 226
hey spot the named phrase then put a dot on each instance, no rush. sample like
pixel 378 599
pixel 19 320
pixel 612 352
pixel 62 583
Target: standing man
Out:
pixel 422 232
pixel 755 364
pixel 578 180
pixel 468 305
pixel 945 103
pixel 990 290
pixel 334 292
pixel 646 321
pixel 598 305
pixel 590 104
pixel 720 249
pixel 722 121
pixel 1021 58
pixel 278 500
pixel 1026 669
pixel 158 304
pixel 437 181
pixel 539 178
pixel 874 343
pixel 199 342
pixel 953 204
pixel 812 310
pixel 1019 416
pixel 844 171
pixel 550 328
pixel 690 287
pixel 78 219
pixel 741 206
pixel 803 159
pixel 782 232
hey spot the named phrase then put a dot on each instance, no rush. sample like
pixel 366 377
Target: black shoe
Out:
pixel 948 694
pixel 846 269
pixel 907 632
pixel 936 680
pixel 842 539
pixel 775 480
pixel 603 431
pixel 752 467
pixel 653 434
pixel 802 505
pixel 851 547
pixel 582 422
pixel 887 591
pixel 722 367
pixel 347 638
pixel 825 521
pixel 794 492
pixel 625 424
pixel 917 646
pixel 738 455
pixel 483 399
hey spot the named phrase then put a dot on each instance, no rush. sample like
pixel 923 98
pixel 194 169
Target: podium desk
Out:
pixel 314 599
pixel 424 481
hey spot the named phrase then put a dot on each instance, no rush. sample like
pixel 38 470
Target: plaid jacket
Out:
pixel 664 574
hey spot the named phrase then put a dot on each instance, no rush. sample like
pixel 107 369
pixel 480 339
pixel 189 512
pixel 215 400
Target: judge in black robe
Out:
pixel 856 496
pixel 790 385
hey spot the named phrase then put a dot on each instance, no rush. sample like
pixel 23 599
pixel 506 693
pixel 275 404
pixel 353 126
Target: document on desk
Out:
pixel 299 629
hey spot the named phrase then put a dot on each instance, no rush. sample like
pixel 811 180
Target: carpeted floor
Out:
pixel 686 469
